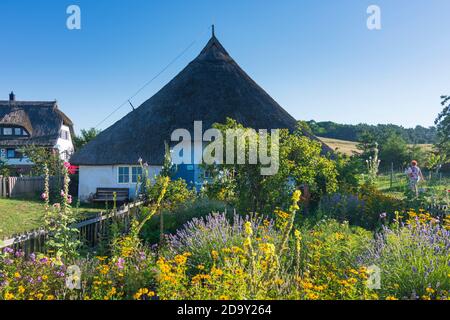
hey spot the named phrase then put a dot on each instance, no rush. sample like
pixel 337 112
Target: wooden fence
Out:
pixel 16 187
pixel 91 231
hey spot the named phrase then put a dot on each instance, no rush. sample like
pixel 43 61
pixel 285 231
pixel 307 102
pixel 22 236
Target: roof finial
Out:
pixel 212 28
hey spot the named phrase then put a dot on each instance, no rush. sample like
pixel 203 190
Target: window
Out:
pixel 17 131
pixel 10 153
pixel 124 174
pixel 135 173
pixel 64 135
pixel 7 131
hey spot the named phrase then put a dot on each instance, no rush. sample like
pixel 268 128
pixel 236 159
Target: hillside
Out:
pixel 349 147
pixel 349 132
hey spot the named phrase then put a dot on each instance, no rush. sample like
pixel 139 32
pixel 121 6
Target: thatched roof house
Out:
pixel 210 88
pixel 39 123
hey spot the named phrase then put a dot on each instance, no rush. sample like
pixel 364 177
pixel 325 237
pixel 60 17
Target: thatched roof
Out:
pixel 211 88
pixel 42 120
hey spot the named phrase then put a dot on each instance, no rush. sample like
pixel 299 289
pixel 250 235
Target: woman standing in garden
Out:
pixel 415 175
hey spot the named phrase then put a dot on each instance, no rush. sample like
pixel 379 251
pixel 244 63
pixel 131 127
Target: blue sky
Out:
pixel 316 58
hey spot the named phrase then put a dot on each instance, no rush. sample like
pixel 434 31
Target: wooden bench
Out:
pixel 107 194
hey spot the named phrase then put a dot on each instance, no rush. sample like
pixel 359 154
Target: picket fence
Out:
pixel 16 187
pixel 91 231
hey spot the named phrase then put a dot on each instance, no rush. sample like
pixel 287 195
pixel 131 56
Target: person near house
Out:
pixel 415 176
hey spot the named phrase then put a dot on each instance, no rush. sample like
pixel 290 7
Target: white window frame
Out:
pixel 137 175
pixel 118 174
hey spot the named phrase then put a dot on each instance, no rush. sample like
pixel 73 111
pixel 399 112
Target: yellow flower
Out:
pixel 180 259
pixel 224 297
pixel 39 296
pixel 312 296
pixel 248 228
pixel 216 272
pixel 143 292
pixel 391 298
pixel 214 254
pixel 282 214
pixel 201 267
pixel 50 297
pixel 44 277
pixel 16 275
pixel 21 289
pixel 9 296
pixel 430 290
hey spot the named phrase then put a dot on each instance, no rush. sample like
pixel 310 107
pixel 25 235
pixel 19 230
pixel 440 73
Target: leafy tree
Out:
pixel 43 158
pixel 443 127
pixel 4 169
pixel 366 144
pixel 85 137
pixel 301 165
pixel 394 150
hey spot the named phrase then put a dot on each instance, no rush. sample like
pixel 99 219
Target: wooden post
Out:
pixel 392 175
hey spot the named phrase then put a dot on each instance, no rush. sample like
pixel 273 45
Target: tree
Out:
pixel 443 127
pixel 85 137
pixel 4 169
pixel 366 144
pixel 301 165
pixel 44 158
pixel 394 150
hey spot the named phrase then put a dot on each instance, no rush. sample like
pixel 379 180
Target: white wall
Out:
pixel 93 177
pixel 65 146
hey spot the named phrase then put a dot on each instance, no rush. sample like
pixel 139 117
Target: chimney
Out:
pixel 12 96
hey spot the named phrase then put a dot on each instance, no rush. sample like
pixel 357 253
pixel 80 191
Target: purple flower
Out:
pixel 120 263
pixel 8 250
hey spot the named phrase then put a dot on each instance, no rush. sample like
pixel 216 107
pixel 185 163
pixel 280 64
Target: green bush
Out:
pixel 176 218
pixel 363 209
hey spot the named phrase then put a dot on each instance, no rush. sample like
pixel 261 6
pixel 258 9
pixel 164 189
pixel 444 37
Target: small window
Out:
pixel 17 131
pixel 7 131
pixel 10 153
pixel 124 174
pixel 135 173
pixel 64 135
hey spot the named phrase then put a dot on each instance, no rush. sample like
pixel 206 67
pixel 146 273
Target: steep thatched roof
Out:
pixel 41 119
pixel 211 88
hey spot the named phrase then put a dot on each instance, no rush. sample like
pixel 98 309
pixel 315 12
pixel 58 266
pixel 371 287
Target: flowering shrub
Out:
pixel 214 233
pixel 263 260
pixel 414 257
pixel 362 209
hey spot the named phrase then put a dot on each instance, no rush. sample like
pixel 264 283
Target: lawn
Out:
pixel 20 215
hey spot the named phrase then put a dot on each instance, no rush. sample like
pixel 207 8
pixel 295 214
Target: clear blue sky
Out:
pixel 316 58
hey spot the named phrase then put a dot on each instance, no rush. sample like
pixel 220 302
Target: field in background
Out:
pixel 349 147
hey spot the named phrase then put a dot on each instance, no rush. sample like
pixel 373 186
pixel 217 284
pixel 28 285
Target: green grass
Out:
pixel 434 187
pixel 21 215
